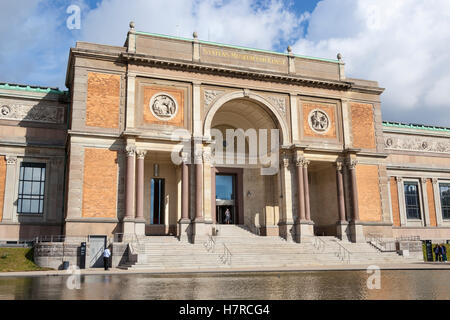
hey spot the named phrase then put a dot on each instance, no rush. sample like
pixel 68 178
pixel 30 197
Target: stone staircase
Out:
pixel 236 247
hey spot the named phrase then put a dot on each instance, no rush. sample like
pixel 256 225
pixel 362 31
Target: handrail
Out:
pixel 319 244
pixel 210 244
pixel 343 253
pixel 226 256
pixel 378 242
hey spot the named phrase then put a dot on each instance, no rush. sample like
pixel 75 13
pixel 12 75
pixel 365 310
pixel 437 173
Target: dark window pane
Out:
pixel 31 188
pixel 157 201
pixel 444 190
pixel 412 200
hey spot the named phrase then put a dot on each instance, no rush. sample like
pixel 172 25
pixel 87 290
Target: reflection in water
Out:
pixel 398 284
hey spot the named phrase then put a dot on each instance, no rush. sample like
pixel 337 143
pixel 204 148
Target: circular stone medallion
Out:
pixel 5 110
pixel 163 106
pixel 319 121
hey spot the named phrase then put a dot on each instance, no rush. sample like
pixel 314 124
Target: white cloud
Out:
pixel 238 22
pixel 402 44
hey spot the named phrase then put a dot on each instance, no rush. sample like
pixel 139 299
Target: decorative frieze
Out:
pixel 38 112
pixel 416 143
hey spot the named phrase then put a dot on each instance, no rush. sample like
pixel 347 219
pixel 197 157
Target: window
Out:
pixel 444 191
pixel 157 201
pixel 31 188
pixel 412 200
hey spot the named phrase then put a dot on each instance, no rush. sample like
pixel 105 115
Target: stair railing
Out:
pixel 319 244
pixel 226 256
pixel 343 254
pixel 210 244
pixel 378 242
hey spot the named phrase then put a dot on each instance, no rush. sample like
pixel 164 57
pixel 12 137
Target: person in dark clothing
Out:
pixel 106 255
pixel 443 253
pixel 437 253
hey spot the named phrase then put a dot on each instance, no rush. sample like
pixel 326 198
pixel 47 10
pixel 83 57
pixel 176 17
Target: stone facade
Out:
pixel 110 139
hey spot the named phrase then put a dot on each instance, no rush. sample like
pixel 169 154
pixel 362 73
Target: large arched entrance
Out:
pixel 242 184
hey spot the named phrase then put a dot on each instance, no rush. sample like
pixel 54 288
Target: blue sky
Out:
pixel 404 45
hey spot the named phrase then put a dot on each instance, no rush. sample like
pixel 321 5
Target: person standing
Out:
pixel 443 253
pixel 227 216
pixel 437 253
pixel 106 255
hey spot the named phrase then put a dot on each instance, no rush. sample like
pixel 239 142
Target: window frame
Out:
pixel 32 216
pixel 439 183
pixel 40 197
pixel 414 221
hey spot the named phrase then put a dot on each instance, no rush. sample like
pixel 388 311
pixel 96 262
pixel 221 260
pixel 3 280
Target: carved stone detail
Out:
pixel 352 163
pixel 207 156
pixel 434 180
pixel 11 160
pixel 38 113
pixel 211 95
pixel 279 103
pixel 163 106
pixel 339 165
pixel 319 121
pixel 416 143
pixel 130 151
pixel 141 154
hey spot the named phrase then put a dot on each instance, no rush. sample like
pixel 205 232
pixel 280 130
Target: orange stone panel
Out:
pixel 100 183
pixel 363 127
pixel 394 202
pixel 431 206
pixel 177 94
pixel 103 100
pixel 2 184
pixel 330 110
pixel 369 198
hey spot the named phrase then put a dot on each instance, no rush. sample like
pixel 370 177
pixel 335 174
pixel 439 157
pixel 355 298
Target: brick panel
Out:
pixel 363 128
pixel 431 206
pixel 100 183
pixel 394 202
pixel 368 193
pixel 330 111
pixel 2 183
pixel 103 100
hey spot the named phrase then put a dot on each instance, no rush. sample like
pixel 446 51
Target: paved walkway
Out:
pixel 411 266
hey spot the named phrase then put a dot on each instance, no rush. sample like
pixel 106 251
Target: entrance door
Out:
pixel 225 197
pixel 97 245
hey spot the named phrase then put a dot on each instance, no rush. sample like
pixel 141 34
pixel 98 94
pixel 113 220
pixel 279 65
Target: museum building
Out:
pixel 98 159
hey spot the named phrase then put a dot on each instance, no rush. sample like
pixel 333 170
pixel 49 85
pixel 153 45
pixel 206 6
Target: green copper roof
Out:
pixel 31 88
pixel 414 126
pixel 233 46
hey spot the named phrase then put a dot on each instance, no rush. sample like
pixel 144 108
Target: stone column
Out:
pixel 207 199
pixel 437 201
pixel 200 231
pixel 9 214
pixel 304 225
pixel 306 189
pixel 426 210
pixel 342 223
pixel 185 222
pixel 286 223
pixel 401 201
pixel 355 225
pixel 128 221
pixel 140 221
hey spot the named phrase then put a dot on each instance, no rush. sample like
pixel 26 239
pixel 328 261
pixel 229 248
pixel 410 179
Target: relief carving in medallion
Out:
pixel 163 106
pixel 319 121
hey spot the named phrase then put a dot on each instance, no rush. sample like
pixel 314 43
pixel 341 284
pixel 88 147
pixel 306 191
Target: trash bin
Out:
pixel 65 265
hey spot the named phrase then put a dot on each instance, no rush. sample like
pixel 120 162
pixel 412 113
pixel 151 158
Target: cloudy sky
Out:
pixel 402 44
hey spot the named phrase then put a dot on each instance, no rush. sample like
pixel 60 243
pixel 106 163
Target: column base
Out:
pixel 139 227
pixel 356 232
pixel 128 226
pixel 287 231
pixel 200 231
pixel 185 230
pixel 304 230
pixel 342 230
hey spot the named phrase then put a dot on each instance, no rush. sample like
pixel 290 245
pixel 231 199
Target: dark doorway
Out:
pixel 157 205
pixel 225 197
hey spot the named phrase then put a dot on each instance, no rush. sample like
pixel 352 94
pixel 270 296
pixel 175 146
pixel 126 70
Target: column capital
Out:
pixel 399 179
pixel 339 165
pixel 11 160
pixel 185 157
pixel 198 157
pixel 352 163
pixel 130 151
pixel 141 154
pixel 206 155
pixel 423 180
pixel 304 163
pixel 434 180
